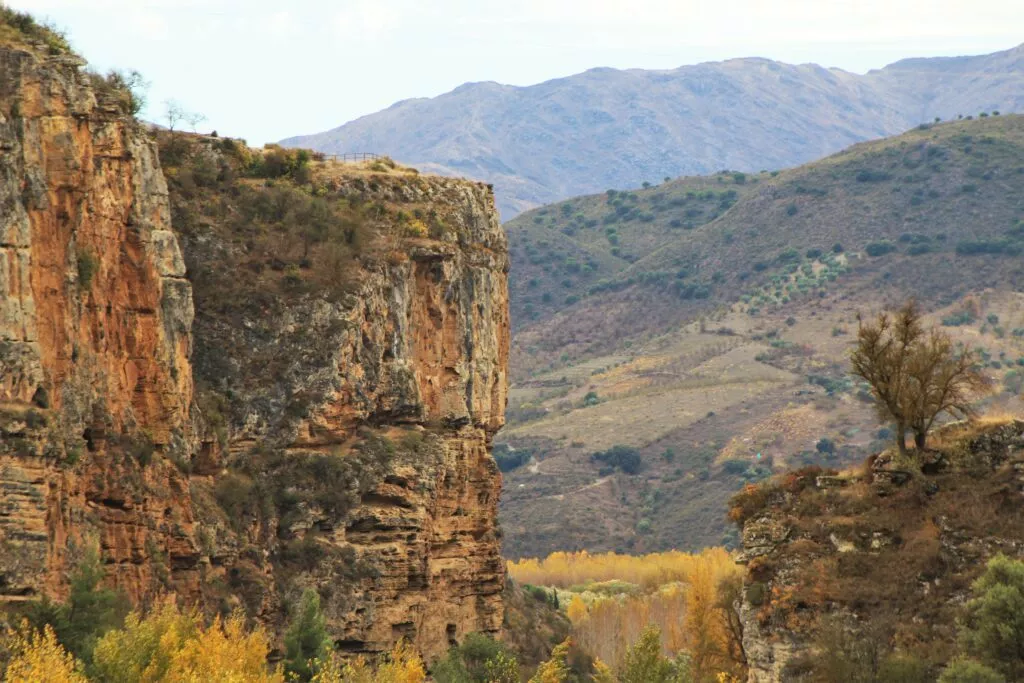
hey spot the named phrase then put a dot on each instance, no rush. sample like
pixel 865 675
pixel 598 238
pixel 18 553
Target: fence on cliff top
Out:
pixel 353 157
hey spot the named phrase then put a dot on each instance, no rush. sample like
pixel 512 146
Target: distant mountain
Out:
pixel 609 128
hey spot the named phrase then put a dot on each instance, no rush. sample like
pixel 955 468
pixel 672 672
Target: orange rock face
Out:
pixel 378 490
pixel 94 339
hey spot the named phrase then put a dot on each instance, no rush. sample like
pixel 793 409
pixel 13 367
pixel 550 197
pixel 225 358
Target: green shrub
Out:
pixel 993 627
pixel 964 670
pixel 89 612
pixel 996 247
pixel 306 639
pixel 872 176
pixel 875 249
pixel 509 459
pixel 88 265
pixel 624 458
pixel 477 660
pixel 23 23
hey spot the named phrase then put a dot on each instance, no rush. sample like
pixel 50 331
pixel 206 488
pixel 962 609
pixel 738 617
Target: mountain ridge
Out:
pixel 607 127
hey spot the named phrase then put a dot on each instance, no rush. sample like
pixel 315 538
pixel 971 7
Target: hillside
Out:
pixel 608 128
pixel 714 341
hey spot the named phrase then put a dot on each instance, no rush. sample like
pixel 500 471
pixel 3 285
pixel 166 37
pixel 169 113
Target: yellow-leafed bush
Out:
pixel 401 665
pixel 39 657
pixel 169 645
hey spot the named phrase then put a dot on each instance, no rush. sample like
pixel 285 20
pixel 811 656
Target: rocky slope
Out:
pixel 338 433
pixel 609 128
pixel 877 561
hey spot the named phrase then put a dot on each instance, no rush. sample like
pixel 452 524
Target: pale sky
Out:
pixel 265 70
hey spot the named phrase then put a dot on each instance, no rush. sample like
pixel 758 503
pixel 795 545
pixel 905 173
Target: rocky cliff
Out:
pixel 292 384
pixel 858 569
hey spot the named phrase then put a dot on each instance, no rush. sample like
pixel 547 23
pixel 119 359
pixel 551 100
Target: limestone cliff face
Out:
pixel 393 392
pixel 95 317
pixel 338 440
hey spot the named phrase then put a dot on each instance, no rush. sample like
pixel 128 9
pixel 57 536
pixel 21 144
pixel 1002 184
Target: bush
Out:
pixel 993 628
pixel 996 247
pixel 963 670
pixel 476 661
pixel 789 255
pixel 872 176
pixel 509 459
pixel 624 458
pixel 88 264
pixel 89 612
pixel 25 24
pixel 875 249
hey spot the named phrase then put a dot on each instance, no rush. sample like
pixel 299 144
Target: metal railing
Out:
pixel 353 157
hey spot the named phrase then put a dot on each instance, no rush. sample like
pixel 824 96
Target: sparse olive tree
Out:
pixel 915 374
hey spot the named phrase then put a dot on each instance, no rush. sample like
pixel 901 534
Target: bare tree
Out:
pixel 194 118
pixel 174 113
pixel 915 374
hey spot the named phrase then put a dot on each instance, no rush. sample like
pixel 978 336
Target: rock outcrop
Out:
pixel 239 449
pixel 877 562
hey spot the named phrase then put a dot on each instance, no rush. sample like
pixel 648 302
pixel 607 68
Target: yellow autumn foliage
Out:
pixel 556 668
pixel 679 595
pixel 401 665
pixel 169 645
pixel 224 653
pixel 39 657
pixel 564 569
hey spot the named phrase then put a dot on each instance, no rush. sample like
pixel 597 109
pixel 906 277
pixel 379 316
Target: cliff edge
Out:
pixel 244 373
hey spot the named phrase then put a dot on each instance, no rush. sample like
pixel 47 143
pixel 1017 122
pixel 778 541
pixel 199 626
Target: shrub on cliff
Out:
pixel 15 25
pixel 993 629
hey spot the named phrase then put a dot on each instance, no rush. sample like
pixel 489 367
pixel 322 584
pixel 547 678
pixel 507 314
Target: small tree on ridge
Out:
pixel 915 374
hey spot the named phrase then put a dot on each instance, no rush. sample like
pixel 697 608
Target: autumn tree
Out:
pixel 915 374
pixel 37 656
pixel 644 661
pixel 556 668
pixel 401 665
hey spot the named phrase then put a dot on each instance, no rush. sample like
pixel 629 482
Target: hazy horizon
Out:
pixel 265 73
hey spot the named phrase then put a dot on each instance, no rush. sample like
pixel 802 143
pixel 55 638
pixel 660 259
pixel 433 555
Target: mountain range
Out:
pixel 608 128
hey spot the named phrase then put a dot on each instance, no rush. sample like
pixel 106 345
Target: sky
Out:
pixel 265 70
